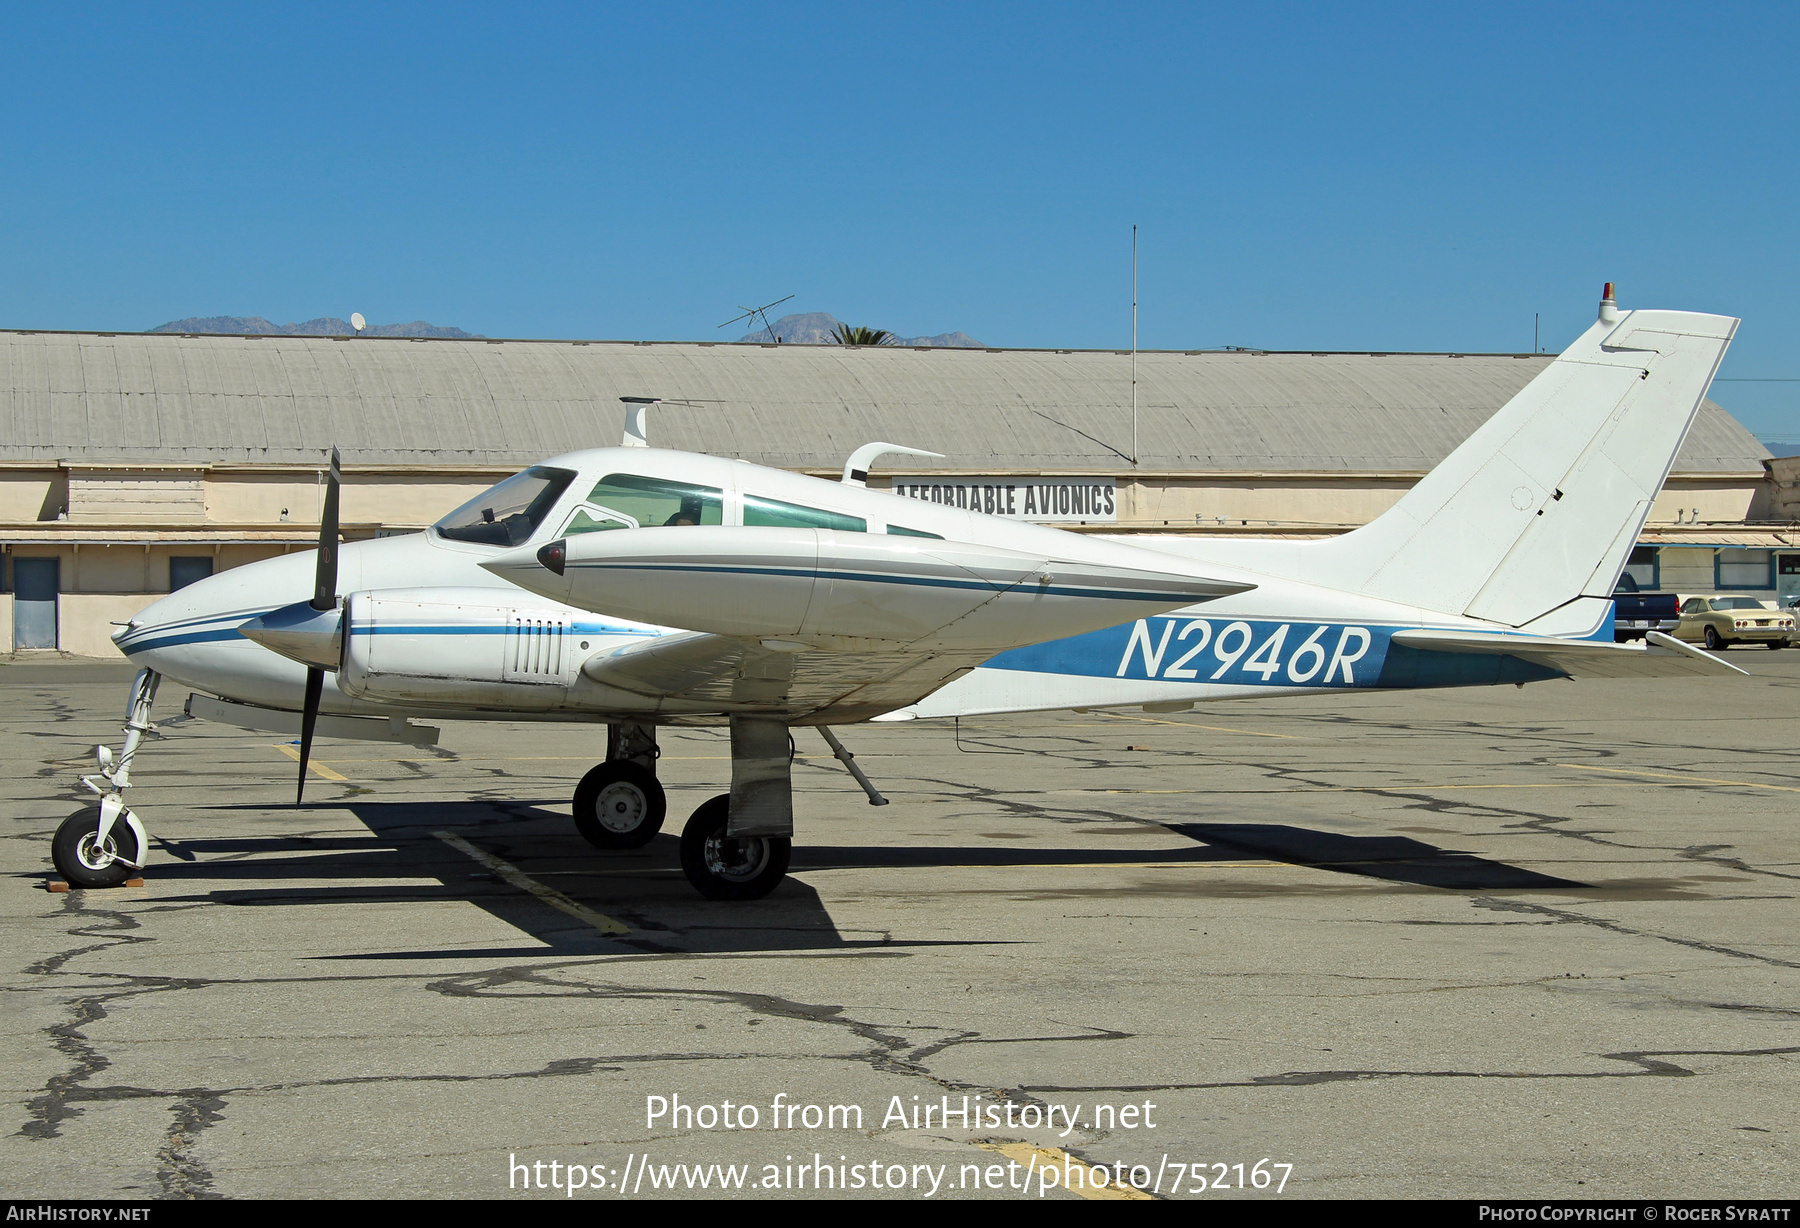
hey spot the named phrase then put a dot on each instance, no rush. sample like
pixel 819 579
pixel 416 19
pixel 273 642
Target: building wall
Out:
pixel 1685 569
pixel 32 494
pixel 85 620
pixel 1784 488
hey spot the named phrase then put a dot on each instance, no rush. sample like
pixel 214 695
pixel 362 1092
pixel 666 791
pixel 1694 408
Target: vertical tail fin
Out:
pixel 1543 503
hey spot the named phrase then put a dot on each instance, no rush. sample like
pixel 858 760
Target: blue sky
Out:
pixel 1389 177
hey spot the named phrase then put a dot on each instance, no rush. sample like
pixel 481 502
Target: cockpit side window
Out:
pixel 768 513
pixel 591 519
pixel 903 531
pixel 507 514
pixel 651 502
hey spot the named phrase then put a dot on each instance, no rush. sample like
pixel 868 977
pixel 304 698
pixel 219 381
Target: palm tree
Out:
pixel 845 334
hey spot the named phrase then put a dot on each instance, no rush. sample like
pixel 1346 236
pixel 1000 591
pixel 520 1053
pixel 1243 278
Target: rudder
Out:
pixel 1543 503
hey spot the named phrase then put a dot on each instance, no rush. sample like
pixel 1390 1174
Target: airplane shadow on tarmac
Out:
pixel 1398 859
pixel 645 890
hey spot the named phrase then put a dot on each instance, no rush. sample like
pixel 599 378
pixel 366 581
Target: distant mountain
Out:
pixel 815 328
pixel 324 326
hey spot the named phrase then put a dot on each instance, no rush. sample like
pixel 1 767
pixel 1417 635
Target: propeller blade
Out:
pixel 324 598
pixel 309 716
pixel 325 581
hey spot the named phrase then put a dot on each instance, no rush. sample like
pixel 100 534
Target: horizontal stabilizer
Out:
pixel 1663 657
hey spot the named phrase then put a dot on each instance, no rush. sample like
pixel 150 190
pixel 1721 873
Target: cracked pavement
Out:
pixel 1496 942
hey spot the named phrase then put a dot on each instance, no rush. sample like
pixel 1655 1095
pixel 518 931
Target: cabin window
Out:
pixel 507 514
pixel 901 531
pixel 654 502
pixel 588 519
pixel 768 513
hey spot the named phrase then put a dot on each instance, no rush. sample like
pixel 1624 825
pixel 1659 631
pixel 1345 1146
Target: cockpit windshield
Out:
pixel 507 514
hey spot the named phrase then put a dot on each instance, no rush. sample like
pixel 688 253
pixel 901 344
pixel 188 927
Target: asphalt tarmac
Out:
pixel 1522 943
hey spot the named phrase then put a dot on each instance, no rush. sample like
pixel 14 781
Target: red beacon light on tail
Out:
pixel 1609 307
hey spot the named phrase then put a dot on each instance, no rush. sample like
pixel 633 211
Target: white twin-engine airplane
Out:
pixel 641 588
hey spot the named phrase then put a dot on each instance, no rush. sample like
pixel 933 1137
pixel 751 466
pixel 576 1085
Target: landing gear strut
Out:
pixel 106 850
pixel 620 804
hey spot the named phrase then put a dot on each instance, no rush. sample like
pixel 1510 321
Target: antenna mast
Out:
pixel 1134 437
pixel 753 312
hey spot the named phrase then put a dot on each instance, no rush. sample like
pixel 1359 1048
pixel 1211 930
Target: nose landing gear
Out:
pixel 106 849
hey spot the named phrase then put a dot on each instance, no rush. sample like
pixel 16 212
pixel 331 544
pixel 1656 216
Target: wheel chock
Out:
pixel 56 886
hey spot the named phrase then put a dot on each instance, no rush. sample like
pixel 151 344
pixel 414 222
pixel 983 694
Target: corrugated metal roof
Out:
pixel 165 398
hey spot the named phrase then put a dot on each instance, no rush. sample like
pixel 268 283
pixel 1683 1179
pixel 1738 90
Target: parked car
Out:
pixel 1634 614
pixel 1719 622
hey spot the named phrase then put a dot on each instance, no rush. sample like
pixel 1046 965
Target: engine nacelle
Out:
pixel 856 591
pixel 463 647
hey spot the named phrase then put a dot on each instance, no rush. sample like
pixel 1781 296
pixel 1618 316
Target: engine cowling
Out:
pixel 458 646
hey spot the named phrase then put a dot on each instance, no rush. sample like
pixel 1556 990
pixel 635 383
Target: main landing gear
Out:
pixel 737 845
pixel 105 849
pixel 726 867
pixel 620 804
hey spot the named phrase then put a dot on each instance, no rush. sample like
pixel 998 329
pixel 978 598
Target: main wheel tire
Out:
pixel 1712 639
pixel 86 863
pixel 723 867
pixel 619 805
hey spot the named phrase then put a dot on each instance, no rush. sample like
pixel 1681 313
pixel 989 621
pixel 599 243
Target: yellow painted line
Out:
pixel 1173 864
pixel 1151 720
pixel 312 764
pixel 1037 1159
pixel 1678 778
pixel 1395 788
pixel 524 882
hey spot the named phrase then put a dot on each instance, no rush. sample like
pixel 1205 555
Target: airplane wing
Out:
pixel 741 674
pixel 1663 657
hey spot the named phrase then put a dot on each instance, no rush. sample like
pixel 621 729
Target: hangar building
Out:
pixel 131 464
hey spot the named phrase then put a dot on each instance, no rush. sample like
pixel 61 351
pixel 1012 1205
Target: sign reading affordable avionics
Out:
pixel 1021 498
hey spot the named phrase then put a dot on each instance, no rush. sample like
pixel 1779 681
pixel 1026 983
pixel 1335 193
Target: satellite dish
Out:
pixel 357 322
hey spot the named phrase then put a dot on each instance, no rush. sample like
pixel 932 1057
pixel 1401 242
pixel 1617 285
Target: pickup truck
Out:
pixel 1636 613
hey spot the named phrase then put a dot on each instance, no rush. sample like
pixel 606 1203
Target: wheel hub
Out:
pixel 621 807
pixel 94 857
pixel 736 860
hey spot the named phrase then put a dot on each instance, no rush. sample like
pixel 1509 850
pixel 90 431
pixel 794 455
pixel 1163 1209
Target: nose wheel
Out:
pixel 725 867
pixel 619 805
pixel 85 858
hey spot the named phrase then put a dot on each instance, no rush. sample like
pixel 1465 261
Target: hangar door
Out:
pixel 35 582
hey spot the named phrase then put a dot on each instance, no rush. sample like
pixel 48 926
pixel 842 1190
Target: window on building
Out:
pixel 1642 570
pixel 1746 569
pixel 185 569
pixel 768 513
